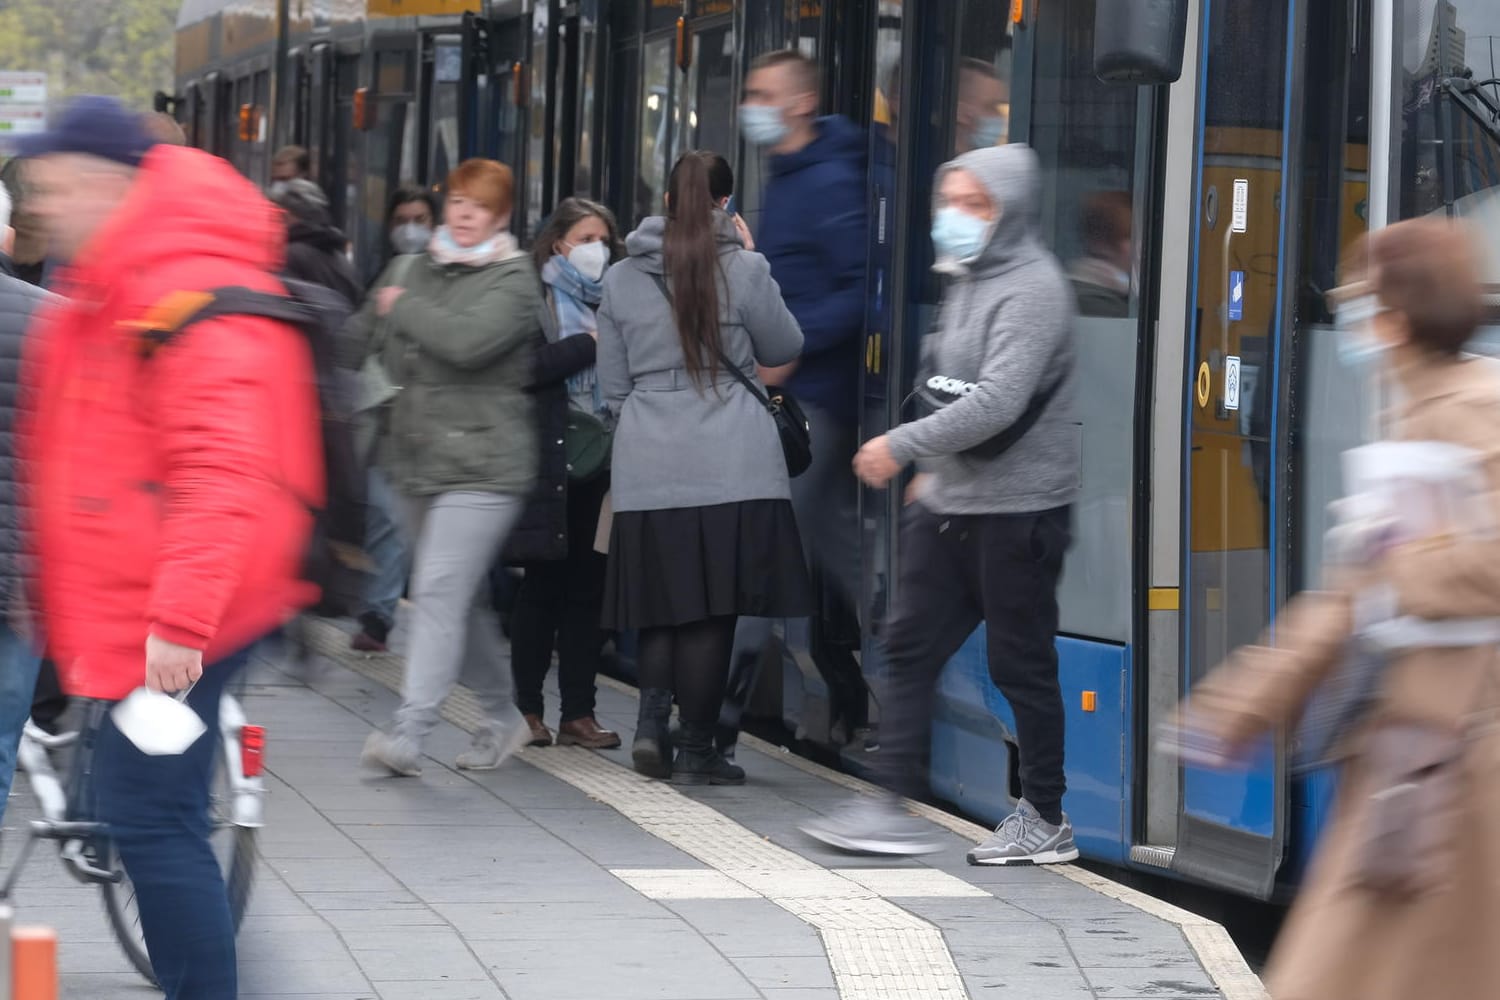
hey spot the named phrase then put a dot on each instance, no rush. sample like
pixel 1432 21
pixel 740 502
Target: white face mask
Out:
pixel 590 259
pixel 410 237
pixel 1354 325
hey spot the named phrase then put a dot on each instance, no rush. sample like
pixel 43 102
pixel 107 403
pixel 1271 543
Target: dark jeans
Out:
pixel 558 605
pixel 157 812
pixel 955 572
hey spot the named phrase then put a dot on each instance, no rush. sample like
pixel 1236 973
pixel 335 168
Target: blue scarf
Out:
pixel 576 298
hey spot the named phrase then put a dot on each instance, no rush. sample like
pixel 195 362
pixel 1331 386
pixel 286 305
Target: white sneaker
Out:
pixel 489 751
pixel 865 825
pixel 396 754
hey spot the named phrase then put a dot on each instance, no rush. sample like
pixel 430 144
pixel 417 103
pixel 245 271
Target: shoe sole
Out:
pixel 1043 858
pixel 573 741
pixel 371 761
pixel 859 845
pixel 679 778
pixel 649 762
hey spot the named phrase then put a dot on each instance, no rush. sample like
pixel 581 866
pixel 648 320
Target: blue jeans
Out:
pixel 157 812
pixel 19 663
pixel 386 547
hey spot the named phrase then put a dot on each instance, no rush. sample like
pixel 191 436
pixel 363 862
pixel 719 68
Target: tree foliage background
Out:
pixel 118 47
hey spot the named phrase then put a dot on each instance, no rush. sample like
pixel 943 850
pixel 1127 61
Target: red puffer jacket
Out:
pixel 169 495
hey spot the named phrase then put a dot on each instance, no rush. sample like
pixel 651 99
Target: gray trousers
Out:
pixel 826 501
pixel 454 633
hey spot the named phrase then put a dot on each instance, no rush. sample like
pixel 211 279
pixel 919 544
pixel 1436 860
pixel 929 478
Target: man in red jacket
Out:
pixel 171 490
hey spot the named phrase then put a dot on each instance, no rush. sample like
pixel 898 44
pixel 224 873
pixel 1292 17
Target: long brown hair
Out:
pixel 690 250
pixel 569 213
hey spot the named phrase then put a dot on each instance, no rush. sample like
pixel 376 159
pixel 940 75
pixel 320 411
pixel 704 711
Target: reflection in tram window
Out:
pixel 710 90
pixel 1448 156
pixel 982 115
pixel 654 135
pixel 1087 138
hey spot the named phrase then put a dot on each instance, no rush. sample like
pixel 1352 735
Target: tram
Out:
pixel 1237 166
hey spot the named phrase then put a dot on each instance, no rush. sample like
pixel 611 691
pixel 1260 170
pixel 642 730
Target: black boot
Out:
pixel 699 761
pixel 651 752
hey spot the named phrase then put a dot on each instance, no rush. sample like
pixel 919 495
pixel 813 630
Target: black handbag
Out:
pixel 791 423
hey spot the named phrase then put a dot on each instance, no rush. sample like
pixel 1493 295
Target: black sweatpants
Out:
pixel 956 571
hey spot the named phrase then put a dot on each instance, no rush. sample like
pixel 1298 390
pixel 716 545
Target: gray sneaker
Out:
pixel 396 754
pixel 866 825
pixel 1024 838
pixel 490 749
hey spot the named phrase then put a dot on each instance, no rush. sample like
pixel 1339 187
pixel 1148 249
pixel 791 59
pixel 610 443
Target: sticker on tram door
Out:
pixel 1236 295
pixel 1239 216
pixel 1231 383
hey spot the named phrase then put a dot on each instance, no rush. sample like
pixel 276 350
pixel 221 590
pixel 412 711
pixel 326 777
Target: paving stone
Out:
pixel 498 885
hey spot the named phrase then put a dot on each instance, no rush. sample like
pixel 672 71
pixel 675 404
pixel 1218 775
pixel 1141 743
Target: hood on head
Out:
pixel 1012 176
pixel 647 240
pixel 837 139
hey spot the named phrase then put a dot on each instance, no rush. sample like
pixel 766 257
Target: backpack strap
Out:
pixel 181 310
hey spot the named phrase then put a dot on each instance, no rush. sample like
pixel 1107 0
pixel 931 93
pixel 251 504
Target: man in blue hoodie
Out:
pixel 814 233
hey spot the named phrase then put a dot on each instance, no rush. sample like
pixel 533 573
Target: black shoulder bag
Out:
pixel 791 422
pixel 935 392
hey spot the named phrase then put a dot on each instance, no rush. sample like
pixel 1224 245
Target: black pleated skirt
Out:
pixel 673 567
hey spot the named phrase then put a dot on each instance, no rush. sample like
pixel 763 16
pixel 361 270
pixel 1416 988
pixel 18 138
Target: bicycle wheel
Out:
pixel 233 845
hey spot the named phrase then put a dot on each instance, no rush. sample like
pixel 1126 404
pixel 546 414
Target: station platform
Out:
pixel 563 875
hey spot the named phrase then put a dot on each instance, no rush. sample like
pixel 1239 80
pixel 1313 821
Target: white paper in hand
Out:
pixel 157 723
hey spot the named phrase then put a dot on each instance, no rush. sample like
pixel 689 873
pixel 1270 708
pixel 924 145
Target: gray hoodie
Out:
pixel 1005 327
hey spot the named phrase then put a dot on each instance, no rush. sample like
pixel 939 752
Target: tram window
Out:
pixel 808 26
pixel 654 134
pixel 711 99
pixel 1087 139
pixel 619 161
pixel 584 182
pixel 981 114
pixel 443 141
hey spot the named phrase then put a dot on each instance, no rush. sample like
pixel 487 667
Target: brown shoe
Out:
pixel 586 732
pixel 541 736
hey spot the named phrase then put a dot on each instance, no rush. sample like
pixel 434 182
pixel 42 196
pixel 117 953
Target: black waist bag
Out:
pixel 791 423
pixel 937 392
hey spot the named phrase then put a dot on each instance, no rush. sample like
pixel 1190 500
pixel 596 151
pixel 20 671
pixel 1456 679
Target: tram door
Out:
pixel 1231 828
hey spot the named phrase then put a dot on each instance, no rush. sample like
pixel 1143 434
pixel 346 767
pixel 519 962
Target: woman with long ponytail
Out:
pixel 703 529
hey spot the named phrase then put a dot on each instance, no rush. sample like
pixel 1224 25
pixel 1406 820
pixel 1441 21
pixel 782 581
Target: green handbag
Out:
pixel 587 441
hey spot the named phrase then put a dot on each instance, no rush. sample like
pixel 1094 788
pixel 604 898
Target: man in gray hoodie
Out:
pixel 984 534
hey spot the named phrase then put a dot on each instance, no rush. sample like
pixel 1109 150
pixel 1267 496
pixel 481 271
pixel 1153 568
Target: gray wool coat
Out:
pixel 678 444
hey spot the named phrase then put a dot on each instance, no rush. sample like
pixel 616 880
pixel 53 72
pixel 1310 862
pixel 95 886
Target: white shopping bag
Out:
pixel 158 724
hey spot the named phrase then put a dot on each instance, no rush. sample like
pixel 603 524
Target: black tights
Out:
pixel 692 661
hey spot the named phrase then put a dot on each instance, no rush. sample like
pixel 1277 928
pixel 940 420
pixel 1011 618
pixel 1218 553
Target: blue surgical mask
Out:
pixel 1353 324
pixel 991 130
pixel 762 125
pixel 958 234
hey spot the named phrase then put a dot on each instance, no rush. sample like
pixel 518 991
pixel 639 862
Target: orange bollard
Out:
pixel 33 965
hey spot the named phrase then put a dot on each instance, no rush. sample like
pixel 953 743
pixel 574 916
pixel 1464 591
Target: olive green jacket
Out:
pixel 457 346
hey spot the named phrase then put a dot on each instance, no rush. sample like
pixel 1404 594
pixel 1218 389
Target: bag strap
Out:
pixel 734 369
pixel 163 324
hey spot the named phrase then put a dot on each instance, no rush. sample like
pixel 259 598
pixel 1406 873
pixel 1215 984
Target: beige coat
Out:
pixel 1341 941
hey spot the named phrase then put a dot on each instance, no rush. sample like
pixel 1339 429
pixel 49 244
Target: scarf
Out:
pixel 443 250
pixel 576 297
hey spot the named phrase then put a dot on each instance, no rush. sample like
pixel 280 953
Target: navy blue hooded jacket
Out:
pixel 814 230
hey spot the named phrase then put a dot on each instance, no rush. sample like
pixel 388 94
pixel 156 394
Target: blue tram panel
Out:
pixel 973 738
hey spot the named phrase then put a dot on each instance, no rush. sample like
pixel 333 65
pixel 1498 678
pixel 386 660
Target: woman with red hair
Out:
pixel 452 329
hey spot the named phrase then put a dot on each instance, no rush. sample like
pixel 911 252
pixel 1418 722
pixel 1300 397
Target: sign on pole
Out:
pixel 23 104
